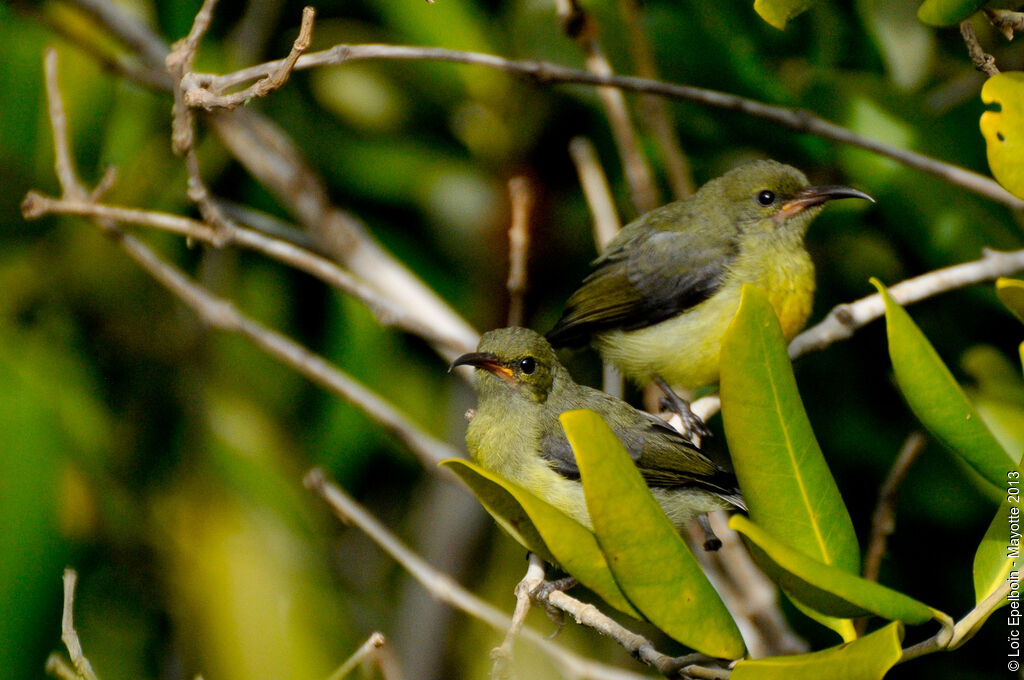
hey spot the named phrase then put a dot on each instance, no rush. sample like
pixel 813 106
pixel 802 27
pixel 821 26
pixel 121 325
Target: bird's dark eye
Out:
pixel 528 365
pixel 766 197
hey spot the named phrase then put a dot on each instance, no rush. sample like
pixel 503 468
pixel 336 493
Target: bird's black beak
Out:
pixel 812 196
pixel 485 360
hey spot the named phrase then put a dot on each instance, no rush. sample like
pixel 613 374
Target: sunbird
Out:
pixel 515 432
pixel 661 296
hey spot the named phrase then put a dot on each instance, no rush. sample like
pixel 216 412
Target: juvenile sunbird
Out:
pixel 521 390
pixel 662 294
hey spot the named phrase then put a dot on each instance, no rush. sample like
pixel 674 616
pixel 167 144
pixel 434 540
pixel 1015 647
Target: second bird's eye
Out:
pixel 528 365
pixel 766 197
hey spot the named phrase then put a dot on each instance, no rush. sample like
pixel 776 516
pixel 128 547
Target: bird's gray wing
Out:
pixel 646 276
pixel 664 457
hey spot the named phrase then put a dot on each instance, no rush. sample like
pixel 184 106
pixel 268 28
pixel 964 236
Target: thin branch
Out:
pixel 58 667
pixel 206 99
pixel 531 580
pixel 655 114
pixel 387 313
pixel 751 598
pixel 267 152
pixel 67 629
pixel 1007 22
pixel 962 630
pixel 596 190
pixel 982 61
pixel 521 198
pixel 447 590
pixel 580 26
pixel 546 72
pixel 883 520
pixel 845 319
pixel 366 652
pixel 221 314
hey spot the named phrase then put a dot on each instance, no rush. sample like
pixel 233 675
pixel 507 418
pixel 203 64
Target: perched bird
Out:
pixel 666 288
pixel 521 390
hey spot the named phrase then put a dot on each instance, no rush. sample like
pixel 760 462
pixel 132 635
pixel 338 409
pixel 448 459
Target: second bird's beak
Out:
pixel 485 360
pixel 812 196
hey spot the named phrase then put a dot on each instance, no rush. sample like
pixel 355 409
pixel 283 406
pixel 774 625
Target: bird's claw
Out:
pixel 711 541
pixel 544 589
pixel 692 424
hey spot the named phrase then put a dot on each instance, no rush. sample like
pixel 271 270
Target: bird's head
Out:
pixel 769 196
pixel 514 361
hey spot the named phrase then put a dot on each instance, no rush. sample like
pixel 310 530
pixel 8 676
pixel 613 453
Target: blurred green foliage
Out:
pixel 164 461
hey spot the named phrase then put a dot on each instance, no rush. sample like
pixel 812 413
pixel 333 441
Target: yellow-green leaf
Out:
pixel 544 530
pixel 651 563
pixel 823 587
pixel 868 658
pixel 947 12
pixel 785 480
pixel 999 551
pixel 936 398
pixel 1004 129
pixel 1011 292
pixel 778 12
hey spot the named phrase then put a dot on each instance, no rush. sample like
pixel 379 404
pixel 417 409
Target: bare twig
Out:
pixel 982 61
pixel 752 599
pixel 579 25
pixel 266 151
pixel 56 666
pixel 221 314
pixel 195 95
pixel 366 652
pixel 36 205
pixel 1007 22
pixel 547 72
pixel 503 655
pixel 521 197
pixel 845 319
pixel 962 630
pixel 596 191
pixel 883 520
pixel 67 629
pixel 655 114
pixel 444 588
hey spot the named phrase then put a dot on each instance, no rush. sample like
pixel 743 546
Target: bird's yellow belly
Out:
pixel 685 349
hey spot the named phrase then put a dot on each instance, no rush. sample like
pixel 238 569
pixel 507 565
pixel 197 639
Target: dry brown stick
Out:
pixel 581 27
pixel 446 589
pixel 126 28
pixel 1007 22
pixel 521 199
pixel 502 655
pixel 387 313
pixel 67 629
pixel 883 519
pixel 367 652
pixel 266 151
pixel 982 61
pixel 546 72
pixel 654 111
pixel 206 99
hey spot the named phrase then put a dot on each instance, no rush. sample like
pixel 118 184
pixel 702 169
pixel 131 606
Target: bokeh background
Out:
pixel 164 461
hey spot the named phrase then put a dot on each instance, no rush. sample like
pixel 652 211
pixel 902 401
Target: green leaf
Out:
pixel 536 525
pixel 1003 129
pixel 785 480
pixel 778 12
pixel 823 587
pixel 937 399
pixel 999 551
pixel 651 563
pixel 1011 292
pixel 947 12
pixel 868 658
